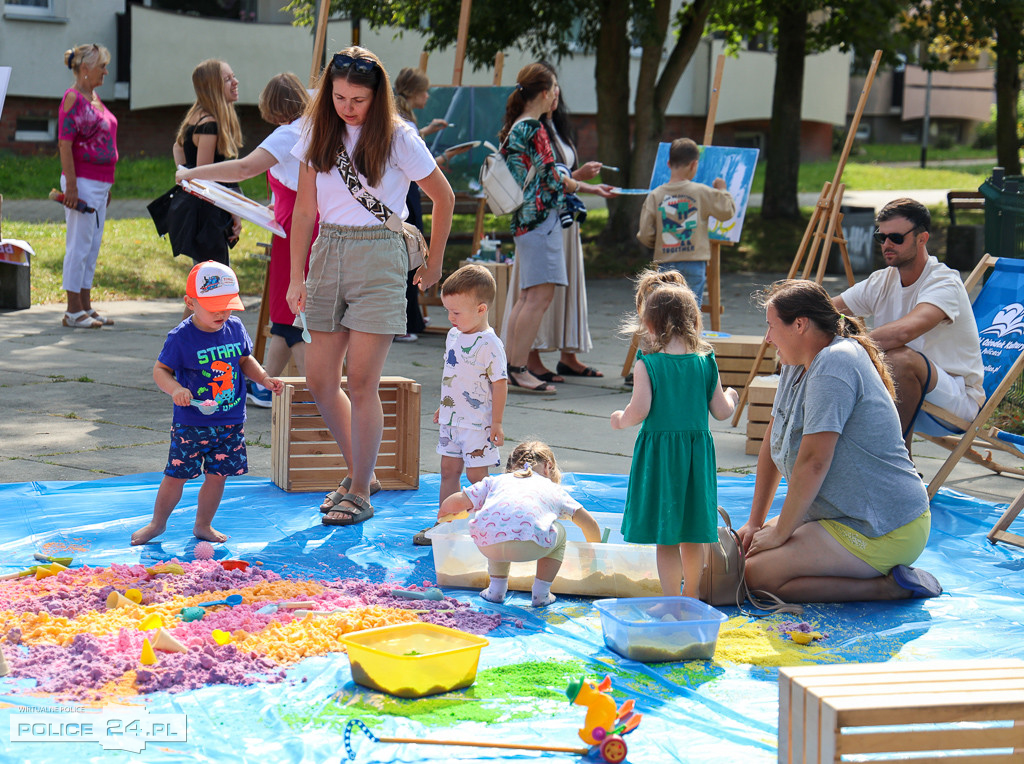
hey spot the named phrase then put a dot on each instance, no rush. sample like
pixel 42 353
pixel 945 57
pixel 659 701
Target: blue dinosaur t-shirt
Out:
pixel 471 363
pixel 209 365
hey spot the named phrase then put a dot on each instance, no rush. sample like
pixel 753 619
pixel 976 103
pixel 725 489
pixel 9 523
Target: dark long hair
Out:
pixel 327 129
pixel 559 122
pixel 532 80
pixel 802 298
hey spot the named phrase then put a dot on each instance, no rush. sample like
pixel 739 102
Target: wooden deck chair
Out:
pixel 999 313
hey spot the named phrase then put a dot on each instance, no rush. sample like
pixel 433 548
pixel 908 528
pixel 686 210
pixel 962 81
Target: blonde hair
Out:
pixel 208 82
pixel 283 99
pixel 408 83
pixel 327 129
pixel 802 298
pixel 529 453
pixel 82 54
pixel 646 282
pixel 672 311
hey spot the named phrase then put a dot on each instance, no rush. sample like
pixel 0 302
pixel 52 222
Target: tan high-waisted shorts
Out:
pixel 357 280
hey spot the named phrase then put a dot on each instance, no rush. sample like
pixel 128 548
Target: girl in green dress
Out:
pixel 673 492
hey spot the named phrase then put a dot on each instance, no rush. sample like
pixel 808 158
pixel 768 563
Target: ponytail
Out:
pixel 853 328
pixel 795 298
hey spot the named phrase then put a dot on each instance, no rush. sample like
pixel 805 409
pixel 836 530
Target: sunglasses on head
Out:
pixel 896 238
pixel 343 63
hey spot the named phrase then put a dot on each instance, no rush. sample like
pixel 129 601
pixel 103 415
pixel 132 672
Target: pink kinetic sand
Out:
pixel 58 631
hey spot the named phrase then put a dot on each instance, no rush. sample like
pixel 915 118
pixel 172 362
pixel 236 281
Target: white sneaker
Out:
pixel 258 395
pixel 406 337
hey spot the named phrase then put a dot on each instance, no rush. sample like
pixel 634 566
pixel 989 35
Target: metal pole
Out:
pixel 926 126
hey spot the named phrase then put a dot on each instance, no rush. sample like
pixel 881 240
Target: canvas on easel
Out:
pixel 734 165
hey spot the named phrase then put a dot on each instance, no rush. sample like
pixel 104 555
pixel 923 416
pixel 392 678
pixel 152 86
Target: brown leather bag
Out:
pixel 721 580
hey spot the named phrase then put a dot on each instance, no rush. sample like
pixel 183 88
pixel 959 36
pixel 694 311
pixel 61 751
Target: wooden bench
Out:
pixel 305 457
pixel 963 200
pixel 826 713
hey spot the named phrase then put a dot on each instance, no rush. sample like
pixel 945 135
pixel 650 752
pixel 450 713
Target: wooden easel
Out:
pixel 823 229
pixel 714 306
pixel 432 296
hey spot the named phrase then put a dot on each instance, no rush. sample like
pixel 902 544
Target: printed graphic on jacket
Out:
pixel 678 222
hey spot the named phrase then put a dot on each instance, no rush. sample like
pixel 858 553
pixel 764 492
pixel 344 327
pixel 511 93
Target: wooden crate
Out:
pixel 305 457
pixel 824 711
pixel 760 398
pixel 735 356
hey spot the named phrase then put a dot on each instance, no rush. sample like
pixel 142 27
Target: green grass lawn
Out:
pixel 136 264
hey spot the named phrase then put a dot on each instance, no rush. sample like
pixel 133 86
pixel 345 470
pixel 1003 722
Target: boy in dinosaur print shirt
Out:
pixel 474 384
pixel 202 367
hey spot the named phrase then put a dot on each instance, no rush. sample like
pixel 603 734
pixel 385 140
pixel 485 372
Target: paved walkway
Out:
pixel 81 404
pixel 43 210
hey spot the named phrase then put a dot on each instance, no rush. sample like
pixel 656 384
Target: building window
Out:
pixel 29 7
pixel 36 129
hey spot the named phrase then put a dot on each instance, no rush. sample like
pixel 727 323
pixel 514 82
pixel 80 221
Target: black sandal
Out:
pixel 541 389
pixel 360 511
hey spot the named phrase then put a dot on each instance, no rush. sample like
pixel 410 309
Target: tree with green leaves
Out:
pixel 959 30
pixel 795 29
pixel 553 30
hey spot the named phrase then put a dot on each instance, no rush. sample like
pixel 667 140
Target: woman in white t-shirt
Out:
pixel 281 103
pixel 354 295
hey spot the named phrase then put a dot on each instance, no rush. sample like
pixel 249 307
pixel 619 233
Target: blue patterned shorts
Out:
pixel 217 450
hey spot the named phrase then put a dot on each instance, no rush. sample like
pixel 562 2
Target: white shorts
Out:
pixel 472 446
pixel 951 394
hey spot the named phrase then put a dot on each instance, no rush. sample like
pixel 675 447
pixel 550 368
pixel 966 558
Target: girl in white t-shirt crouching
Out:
pixel 516 519
pixel 354 295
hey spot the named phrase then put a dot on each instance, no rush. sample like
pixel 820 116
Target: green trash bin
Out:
pixel 1004 214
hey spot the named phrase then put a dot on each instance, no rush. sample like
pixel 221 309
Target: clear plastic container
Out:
pixel 412 660
pixel 611 569
pixel 655 629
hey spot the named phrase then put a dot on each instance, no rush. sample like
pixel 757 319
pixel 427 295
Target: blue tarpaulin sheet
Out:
pixel 723 710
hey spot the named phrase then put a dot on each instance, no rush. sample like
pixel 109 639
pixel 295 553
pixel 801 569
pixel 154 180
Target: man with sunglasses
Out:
pixel 922 319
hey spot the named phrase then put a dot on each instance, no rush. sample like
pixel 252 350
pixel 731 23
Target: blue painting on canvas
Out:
pixel 735 165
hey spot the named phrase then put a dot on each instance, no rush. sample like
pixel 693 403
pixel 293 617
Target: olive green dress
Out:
pixel 673 489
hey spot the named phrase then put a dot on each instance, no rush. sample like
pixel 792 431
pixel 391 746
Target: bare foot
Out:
pixel 208 534
pixel 147 534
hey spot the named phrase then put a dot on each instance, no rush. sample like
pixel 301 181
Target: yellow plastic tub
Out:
pixel 412 660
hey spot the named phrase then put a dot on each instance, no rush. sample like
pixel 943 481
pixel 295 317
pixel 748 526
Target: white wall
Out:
pixel 748 81
pixel 167 46
pixel 34 46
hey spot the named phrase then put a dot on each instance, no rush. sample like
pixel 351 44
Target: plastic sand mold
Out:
pixel 267 678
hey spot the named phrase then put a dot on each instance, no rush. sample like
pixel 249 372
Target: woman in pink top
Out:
pixel 87 137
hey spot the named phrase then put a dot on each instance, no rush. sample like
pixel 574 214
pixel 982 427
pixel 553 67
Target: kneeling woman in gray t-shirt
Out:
pixel 856 513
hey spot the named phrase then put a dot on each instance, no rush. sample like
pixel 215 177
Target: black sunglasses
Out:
pixel 343 63
pixel 897 238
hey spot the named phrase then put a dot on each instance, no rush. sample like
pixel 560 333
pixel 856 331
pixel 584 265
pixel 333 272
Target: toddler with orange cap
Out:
pixel 203 366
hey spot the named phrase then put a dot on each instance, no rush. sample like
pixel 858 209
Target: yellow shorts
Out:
pixel 897 547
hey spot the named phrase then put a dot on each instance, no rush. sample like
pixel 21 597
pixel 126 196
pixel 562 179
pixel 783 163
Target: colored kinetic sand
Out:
pixel 59 632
